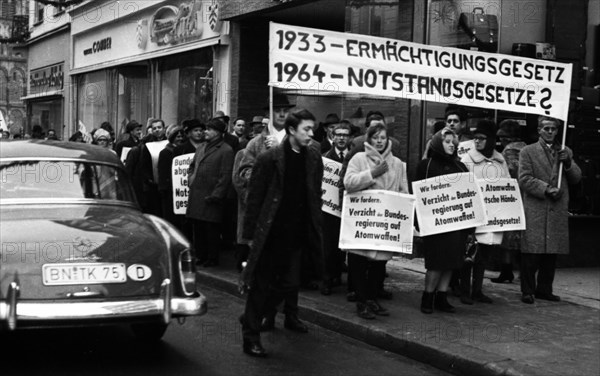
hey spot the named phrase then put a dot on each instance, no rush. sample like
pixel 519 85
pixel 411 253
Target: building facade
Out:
pixel 137 60
pixel 13 63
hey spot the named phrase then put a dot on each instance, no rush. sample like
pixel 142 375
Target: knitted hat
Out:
pixel 101 133
pixel 172 131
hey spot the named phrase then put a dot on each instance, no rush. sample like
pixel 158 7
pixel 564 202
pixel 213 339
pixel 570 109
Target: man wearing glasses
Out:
pixel 546 204
pixel 334 258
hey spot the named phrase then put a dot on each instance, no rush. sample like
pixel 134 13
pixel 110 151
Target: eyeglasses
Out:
pixel 343 135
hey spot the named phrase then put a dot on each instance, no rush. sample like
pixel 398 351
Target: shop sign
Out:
pixel 175 23
pixel 46 79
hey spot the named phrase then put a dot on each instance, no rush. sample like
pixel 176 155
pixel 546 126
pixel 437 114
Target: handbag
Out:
pixel 481 28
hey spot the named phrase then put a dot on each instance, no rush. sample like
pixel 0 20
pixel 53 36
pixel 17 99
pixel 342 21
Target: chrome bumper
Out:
pixel 40 311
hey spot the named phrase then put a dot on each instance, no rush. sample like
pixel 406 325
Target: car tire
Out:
pixel 149 332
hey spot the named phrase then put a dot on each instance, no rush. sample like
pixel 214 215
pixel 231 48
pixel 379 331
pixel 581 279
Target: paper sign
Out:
pixel 124 152
pixel 377 220
pixel 179 174
pixel 464 147
pixel 315 60
pixel 154 148
pixel 331 187
pixel 448 203
pixel 503 204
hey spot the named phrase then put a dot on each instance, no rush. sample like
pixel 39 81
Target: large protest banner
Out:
pixel 503 204
pixel 179 171
pixel 320 60
pixel 448 203
pixel 377 220
pixel 331 187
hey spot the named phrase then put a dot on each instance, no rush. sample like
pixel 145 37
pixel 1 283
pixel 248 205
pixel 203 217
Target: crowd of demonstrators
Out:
pixel 131 138
pixel 443 252
pixel 284 221
pixel 176 137
pixel 375 168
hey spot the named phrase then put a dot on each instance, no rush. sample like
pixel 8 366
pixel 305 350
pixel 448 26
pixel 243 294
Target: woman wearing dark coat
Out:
pixel 176 137
pixel 443 252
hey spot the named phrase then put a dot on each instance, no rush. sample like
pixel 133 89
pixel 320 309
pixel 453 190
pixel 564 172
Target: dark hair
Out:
pixel 75 136
pixel 373 115
pixel 107 127
pixel 239 118
pixel 131 126
pixel 458 111
pixel 158 120
pixel 293 119
pixel 371 131
pixel 438 126
pixel 511 127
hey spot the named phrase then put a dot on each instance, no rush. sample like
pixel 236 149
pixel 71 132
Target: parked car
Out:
pixel 77 250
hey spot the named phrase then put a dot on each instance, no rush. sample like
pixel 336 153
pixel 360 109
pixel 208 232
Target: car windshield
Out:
pixel 63 180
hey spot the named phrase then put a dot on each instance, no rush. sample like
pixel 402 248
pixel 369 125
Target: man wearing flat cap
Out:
pixel 229 139
pixel 209 181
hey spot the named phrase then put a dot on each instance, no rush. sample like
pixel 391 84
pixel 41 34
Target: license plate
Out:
pixel 83 273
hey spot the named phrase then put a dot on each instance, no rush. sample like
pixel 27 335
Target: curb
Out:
pixel 461 361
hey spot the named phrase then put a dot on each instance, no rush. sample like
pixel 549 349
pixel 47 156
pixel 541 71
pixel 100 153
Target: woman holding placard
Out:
pixel 443 252
pixel 375 168
pixel 485 163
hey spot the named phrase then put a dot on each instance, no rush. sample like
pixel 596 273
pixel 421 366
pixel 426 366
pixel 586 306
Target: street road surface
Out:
pixel 207 345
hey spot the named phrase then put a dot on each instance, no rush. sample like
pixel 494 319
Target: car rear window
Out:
pixel 63 180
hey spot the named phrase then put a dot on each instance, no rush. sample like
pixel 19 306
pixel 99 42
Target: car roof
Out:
pixel 48 149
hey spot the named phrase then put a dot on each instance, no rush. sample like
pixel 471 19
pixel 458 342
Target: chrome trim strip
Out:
pixel 74 310
pixel 12 295
pixel 165 292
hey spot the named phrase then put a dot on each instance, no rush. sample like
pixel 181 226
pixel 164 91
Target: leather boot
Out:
pixel 441 302
pixel 364 312
pixel 427 302
pixel 506 274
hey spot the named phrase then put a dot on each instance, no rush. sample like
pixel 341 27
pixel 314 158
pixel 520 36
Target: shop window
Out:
pixel 134 94
pixel 187 87
pixel 48 114
pixel 92 99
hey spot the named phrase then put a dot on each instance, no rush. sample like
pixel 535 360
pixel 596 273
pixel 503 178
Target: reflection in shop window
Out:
pixel 92 99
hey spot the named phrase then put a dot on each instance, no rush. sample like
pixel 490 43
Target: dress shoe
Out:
pixel 547 296
pixel 254 348
pixel 441 302
pixel 527 299
pixel 427 302
pixel 351 296
pixel 377 309
pixel 384 294
pixel 364 312
pixel 481 298
pixel 294 324
pixel 267 324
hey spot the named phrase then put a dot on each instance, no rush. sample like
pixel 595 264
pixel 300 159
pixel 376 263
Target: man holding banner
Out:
pixel 546 201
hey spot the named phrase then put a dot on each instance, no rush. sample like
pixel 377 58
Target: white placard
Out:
pixel 179 175
pixel 124 152
pixel 377 220
pixel 503 204
pixel 331 187
pixel 464 147
pixel 448 203
pixel 154 148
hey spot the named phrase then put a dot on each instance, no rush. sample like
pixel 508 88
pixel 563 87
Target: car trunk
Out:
pixel 80 251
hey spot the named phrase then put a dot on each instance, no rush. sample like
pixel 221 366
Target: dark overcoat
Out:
pixel 264 198
pixel 546 220
pixel 210 177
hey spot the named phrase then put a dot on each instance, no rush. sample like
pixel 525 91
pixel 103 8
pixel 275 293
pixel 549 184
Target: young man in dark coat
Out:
pixel 283 220
pixel 209 181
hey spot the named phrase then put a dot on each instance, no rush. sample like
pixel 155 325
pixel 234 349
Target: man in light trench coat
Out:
pixel 546 205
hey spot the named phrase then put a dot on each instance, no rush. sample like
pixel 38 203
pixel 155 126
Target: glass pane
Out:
pixel 92 98
pixel 63 179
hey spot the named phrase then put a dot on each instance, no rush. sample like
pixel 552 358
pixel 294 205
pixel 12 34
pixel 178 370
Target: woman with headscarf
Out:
pixel 176 137
pixel 375 168
pixel 485 163
pixel 443 252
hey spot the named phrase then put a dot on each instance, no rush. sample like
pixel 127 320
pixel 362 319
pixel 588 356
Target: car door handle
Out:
pixel 85 294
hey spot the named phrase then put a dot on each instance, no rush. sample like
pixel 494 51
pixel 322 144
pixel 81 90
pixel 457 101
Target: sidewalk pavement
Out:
pixel 507 337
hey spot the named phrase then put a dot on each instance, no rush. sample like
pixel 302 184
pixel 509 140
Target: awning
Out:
pixel 50 93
